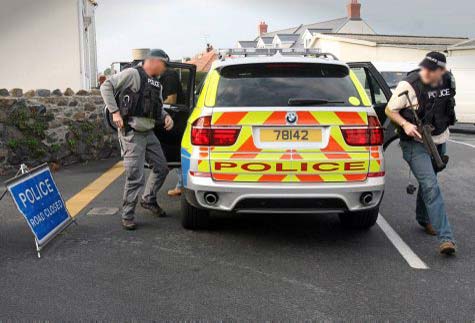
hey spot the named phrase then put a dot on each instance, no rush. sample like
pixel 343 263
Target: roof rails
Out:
pixel 247 52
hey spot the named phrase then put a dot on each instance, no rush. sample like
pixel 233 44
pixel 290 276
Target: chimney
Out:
pixel 354 10
pixel 262 28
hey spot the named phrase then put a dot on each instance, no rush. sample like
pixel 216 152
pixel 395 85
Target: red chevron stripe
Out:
pixel 248 146
pixel 350 118
pixel 230 118
pixel 355 177
pixel 306 118
pixel 334 146
pixel 271 178
pixel 224 177
pixel 310 178
pixel 276 118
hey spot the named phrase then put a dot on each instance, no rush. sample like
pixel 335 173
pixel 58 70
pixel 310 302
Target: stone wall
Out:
pixel 52 126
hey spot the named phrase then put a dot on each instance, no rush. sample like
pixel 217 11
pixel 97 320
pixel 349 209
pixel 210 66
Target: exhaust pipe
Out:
pixel 366 198
pixel 211 198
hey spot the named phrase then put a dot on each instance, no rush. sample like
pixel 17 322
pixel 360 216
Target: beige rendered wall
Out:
pixel 355 52
pixel 40 44
pixel 462 52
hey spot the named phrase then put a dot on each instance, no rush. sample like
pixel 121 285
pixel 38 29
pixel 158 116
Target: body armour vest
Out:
pixel 436 104
pixel 146 103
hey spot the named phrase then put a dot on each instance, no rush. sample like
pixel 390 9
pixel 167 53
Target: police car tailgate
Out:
pixel 291 145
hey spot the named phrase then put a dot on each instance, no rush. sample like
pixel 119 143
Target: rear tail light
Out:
pixel 200 174
pixel 200 131
pixel 204 134
pixel 376 133
pixel 356 136
pixel 371 135
pixel 377 174
pixel 224 136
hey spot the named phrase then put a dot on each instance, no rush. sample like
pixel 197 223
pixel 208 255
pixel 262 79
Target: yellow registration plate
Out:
pixel 291 135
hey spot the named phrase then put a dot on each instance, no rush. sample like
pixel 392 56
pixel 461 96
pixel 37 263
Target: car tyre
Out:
pixel 193 218
pixel 359 220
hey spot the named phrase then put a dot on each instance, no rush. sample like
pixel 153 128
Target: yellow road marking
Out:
pixel 79 201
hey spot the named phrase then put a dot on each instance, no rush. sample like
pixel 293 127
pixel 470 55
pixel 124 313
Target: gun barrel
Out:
pixel 426 133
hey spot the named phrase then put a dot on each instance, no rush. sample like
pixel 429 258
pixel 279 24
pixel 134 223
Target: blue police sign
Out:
pixel 38 199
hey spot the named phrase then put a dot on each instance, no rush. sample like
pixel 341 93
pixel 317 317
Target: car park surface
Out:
pixel 253 267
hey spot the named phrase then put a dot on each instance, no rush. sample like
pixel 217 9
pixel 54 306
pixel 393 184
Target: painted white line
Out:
pixel 462 143
pixel 406 252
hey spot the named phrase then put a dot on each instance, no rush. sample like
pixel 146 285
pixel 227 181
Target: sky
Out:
pixel 183 27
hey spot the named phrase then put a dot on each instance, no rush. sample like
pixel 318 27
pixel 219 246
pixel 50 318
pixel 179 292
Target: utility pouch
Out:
pixel 152 104
pixel 128 101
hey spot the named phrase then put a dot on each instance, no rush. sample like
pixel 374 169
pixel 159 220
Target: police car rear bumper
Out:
pixel 284 197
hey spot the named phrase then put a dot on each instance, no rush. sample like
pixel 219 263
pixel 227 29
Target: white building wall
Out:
pixel 355 52
pixel 41 45
pixel 261 44
pixel 307 39
pixel 329 46
pixel 462 65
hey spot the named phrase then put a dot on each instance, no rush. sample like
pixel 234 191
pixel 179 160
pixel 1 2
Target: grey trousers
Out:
pixel 138 147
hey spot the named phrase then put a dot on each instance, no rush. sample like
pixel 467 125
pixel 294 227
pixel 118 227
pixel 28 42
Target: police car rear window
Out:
pixel 274 84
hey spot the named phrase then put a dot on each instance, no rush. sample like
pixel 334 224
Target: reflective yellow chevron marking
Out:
pixel 360 89
pixel 212 89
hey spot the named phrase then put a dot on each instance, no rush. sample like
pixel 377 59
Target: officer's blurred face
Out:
pixel 432 76
pixel 154 67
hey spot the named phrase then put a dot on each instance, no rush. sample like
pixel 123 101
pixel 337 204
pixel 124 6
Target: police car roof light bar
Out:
pixel 247 52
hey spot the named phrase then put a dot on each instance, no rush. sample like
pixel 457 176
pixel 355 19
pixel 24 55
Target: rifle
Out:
pixel 426 132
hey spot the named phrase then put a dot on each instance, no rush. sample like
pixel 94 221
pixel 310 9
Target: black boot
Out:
pixel 154 208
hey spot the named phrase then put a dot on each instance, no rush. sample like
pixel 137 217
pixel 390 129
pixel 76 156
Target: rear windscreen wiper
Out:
pixel 305 102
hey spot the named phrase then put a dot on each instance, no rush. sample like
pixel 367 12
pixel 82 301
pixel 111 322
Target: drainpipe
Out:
pixel 81 43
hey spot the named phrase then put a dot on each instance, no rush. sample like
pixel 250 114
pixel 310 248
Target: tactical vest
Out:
pixel 147 102
pixel 436 104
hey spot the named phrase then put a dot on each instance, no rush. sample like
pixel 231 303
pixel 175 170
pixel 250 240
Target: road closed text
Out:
pixel 38 196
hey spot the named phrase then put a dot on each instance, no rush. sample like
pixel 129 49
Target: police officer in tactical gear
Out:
pixel 134 98
pixel 431 92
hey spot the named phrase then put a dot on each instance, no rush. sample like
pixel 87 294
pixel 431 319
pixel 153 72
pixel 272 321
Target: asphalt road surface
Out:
pixel 251 267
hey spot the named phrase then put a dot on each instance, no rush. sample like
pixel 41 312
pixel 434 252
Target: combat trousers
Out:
pixel 430 203
pixel 138 147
